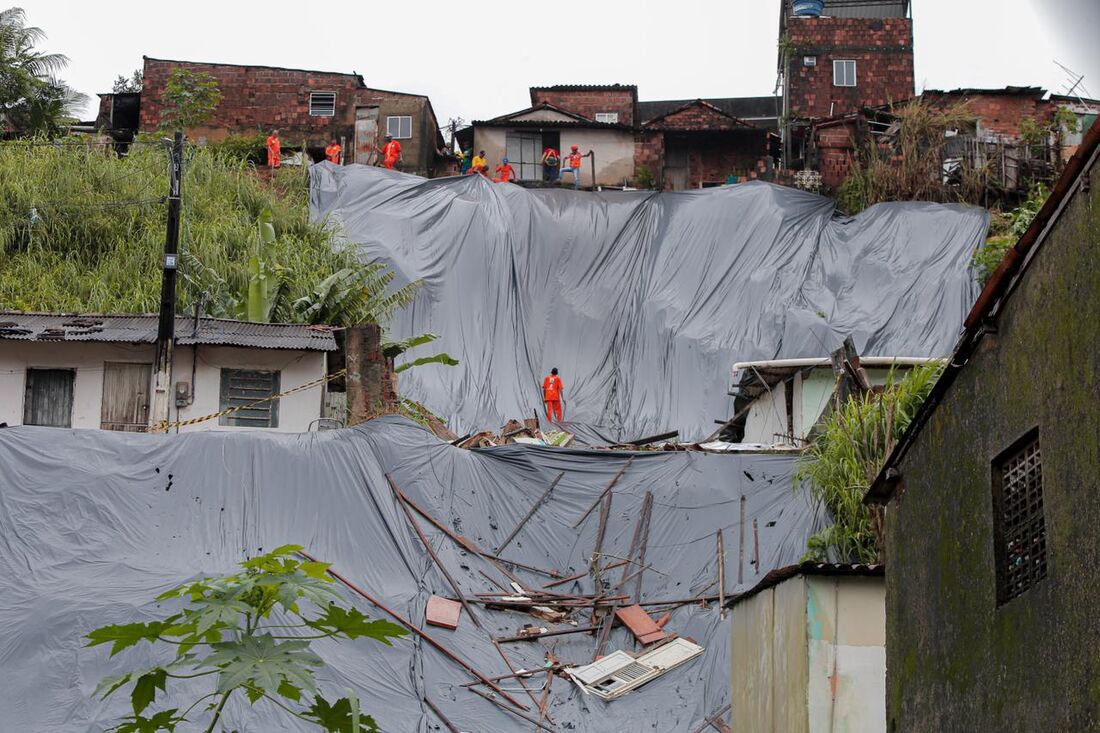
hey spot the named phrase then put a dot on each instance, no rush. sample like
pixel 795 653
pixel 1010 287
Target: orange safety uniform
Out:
pixel 332 152
pixel 575 160
pixel 505 173
pixel 391 151
pixel 273 149
pixel 551 395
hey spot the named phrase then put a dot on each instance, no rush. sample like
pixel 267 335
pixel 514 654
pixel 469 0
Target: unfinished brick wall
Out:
pixel 588 101
pixel 649 152
pixel 1000 114
pixel 881 47
pixel 697 117
pixel 836 146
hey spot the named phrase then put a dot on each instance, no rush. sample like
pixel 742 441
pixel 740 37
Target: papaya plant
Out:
pixel 247 633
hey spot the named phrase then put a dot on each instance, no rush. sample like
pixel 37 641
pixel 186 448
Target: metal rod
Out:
pixel 512 669
pixel 520 673
pixel 610 484
pixel 721 576
pixel 605 512
pixel 435 558
pixel 496 702
pixel 531 512
pixel 439 713
pixel 416 630
pixel 647 510
pixel 713 717
pixel 756 545
pixel 741 548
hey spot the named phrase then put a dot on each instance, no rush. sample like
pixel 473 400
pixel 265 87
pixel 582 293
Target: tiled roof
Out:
pixel 142 329
pixel 586 87
pixel 750 109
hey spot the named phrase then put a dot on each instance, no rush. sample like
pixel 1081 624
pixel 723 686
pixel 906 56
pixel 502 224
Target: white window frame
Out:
pixel 313 95
pixel 399 118
pixel 610 118
pixel 839 79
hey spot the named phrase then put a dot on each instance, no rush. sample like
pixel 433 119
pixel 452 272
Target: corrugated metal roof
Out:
pixel 777 576
pixel 142 329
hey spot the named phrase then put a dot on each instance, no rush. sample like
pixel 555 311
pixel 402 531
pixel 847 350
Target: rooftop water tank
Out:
pixel 809 8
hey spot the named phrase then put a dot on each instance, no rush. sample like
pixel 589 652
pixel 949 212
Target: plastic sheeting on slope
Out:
pixel 644 301
pixel 94 524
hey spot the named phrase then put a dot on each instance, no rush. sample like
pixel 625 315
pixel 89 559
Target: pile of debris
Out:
pixel 514 431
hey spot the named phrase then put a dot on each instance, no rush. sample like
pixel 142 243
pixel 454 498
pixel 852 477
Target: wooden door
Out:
pixel 367 148
pixel 125 397
pixel 48 399
pixel 676 167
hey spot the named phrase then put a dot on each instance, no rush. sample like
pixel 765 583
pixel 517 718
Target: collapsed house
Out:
pixel 645 300
pixel 543 587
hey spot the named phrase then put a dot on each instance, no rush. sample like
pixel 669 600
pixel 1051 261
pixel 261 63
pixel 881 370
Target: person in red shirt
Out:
pixel 552 393
pixel 391 152
pixel 574 166
pixel 332 152
pixel 550 163
pixel 274 147
pixel 505 172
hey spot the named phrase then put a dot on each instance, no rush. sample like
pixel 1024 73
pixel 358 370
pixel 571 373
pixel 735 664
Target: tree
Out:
pixel 33 101
pixel 133 83
pixel 846 456
pixel 189 99
pixel 249 632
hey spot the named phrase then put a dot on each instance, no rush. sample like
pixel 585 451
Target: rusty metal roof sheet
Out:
pixel 142 329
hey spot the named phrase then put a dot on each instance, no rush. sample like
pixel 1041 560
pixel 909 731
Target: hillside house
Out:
pixel 310 108
pixel 95 371
pixel 681 144
pixel 992 505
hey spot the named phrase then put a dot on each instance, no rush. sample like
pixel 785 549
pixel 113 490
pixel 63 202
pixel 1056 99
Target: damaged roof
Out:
pixel 142 329
pixel 777 576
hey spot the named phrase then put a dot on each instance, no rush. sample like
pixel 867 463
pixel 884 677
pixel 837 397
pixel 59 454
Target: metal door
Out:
pixel 49 398
pixel 367 148
pixel 125 397
pixel 524 153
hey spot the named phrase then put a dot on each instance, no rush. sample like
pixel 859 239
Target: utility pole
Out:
pixel 166 329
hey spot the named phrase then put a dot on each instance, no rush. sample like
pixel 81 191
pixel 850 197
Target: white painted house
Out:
pixel 786 398
pixel 95 371
pixel 809 651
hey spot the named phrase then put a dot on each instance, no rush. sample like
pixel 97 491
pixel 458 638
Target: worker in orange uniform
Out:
pixel 391 152
pixel 332 152
pixel 505 172
pixel 552 392
pixel 574 166
pixel 273 149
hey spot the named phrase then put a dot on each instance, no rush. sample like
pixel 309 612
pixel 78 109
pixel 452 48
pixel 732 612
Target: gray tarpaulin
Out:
pixel 645 300
pixel 94 524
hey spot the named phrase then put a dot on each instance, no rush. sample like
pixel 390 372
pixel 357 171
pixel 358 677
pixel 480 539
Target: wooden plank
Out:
pixel 541 500
pixel 443 612
pixel 439 713
pixel 605 512
pixel 647 511
pixel 721 575
pixel 741 549
pixel 644 628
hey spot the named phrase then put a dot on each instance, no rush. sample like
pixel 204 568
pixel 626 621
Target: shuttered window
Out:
pixel 240 387
pixel 48 399
pixel 322 104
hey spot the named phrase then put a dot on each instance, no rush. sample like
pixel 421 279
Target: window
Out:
pixel 1019 529
pixel 609 117
pixel 399 128
pixel 49 398
pixel 844 73
pixel 244 387
pixel 322 104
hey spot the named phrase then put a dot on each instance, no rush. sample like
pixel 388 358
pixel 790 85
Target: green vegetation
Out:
pixel 82 230
pixel 643 177
pixel 1005 230
pixel 393 349
pixel 845 457
pixel 33 100
pixel 129 84
pixel 249 632
pixel 190 98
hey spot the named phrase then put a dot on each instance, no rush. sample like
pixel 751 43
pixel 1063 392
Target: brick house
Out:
pixel 857 53
pixel 309 108
pixel 681 143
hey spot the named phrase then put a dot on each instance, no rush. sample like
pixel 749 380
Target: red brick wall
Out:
pixel 590 101
pixel 697 117
pixel 835 151
pixel 881 47
pixel 649 151
pixel 1001 114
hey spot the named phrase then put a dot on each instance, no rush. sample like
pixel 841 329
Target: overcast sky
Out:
pixel 476 60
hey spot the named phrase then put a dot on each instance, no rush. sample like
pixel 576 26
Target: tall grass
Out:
pixel 83 230
pixel 848 453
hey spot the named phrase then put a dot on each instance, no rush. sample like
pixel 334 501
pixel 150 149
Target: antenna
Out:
pixel 1074 82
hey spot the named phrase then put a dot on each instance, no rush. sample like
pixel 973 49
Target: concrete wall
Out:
pixel 956 658
pixel 796 643
pixel 614 150
pixel 767 418
pixel 846 630
pixel 297 367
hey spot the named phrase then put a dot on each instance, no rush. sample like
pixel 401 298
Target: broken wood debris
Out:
pixel 443 612
pixel 541 500
pixel 514 431
pixel 607 489
pixel 644 628
pixel 443 718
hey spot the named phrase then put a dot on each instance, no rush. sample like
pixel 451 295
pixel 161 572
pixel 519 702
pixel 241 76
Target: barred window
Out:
pixel 240 387
pixel 1019 528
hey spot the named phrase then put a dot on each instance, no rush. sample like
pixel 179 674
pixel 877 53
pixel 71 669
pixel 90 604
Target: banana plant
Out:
pixel 393 349
pixel 260 286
